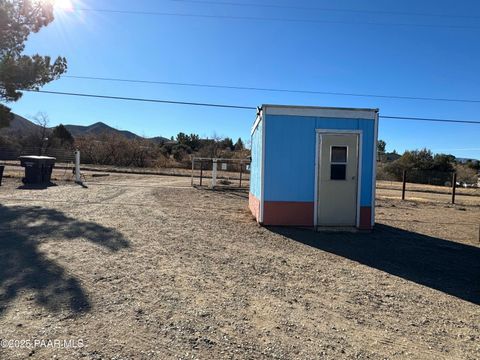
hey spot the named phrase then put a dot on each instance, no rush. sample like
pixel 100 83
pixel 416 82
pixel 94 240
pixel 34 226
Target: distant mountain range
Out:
pixel 18 126
pixel 97 129
pixel 21 126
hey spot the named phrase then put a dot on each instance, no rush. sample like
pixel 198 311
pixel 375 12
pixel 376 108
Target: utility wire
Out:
pixel 280 19
pixel 144 99
pixel 271 89
pixel 239 107
pixel 430 119
pixel 314 8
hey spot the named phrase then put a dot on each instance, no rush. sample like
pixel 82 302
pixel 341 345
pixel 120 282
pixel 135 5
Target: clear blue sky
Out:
pixel 355 58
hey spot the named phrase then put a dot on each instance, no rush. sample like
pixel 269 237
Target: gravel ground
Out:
pixel 146 267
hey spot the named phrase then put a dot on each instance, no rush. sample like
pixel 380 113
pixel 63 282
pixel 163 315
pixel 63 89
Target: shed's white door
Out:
pixel 337 179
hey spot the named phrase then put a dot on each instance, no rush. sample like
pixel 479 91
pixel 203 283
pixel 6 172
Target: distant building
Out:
pixel 465 160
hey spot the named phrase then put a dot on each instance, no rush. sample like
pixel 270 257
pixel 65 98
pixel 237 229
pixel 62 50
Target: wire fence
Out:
pixel 229 173
pixel 442 186
pixel 8 154
pixel 216 173
pixel 430 177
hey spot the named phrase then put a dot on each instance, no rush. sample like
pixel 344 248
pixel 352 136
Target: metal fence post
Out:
pixel 404 179
pixel 201 172
pixel 454 186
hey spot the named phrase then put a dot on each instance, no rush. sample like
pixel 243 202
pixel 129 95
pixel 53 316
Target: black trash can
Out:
pixel 1 173
pixel 38 169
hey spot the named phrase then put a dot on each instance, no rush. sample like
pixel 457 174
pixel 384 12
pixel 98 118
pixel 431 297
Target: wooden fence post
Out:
pixel 454 186
pixel 404 179
pixel 201 172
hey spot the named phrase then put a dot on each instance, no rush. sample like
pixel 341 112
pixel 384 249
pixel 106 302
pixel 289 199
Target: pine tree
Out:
pixel 19 18
pixel 239 145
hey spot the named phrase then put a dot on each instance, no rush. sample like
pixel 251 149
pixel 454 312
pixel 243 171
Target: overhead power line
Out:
pixel 143 99
pixel 298 91
pixel 430 119
pixel 276 19
pixel 228 106
pixel 325 9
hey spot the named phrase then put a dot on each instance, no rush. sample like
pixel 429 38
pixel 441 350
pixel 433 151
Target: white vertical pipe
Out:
pixel 77 166
pixel 214 174
pixel 193 169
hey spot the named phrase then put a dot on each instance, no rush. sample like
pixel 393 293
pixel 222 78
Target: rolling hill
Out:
pixel 97 129
pixel 20 126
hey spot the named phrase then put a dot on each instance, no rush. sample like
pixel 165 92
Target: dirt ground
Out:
pixel 146 267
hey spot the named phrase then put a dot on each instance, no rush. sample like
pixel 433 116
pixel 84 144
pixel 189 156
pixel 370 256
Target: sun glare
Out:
pixel 64 5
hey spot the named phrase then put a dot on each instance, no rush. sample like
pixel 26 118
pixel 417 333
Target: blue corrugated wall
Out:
pixel 290 155
pixel 256 165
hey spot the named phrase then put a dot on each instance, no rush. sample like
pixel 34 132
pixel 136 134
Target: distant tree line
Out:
pixel 422 166
pixel 185 145
pixel 115 149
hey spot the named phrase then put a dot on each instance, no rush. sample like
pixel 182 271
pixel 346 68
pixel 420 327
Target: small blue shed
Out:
pixel 314 166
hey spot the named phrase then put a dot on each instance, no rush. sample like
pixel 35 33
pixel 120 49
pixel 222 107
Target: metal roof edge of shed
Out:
pixel 321 111
pixel 257 121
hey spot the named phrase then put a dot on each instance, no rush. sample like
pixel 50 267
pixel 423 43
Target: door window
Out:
pixel 338 162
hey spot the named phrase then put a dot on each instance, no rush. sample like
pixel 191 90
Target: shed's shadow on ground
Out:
pixel 440 264
pixel 24 267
